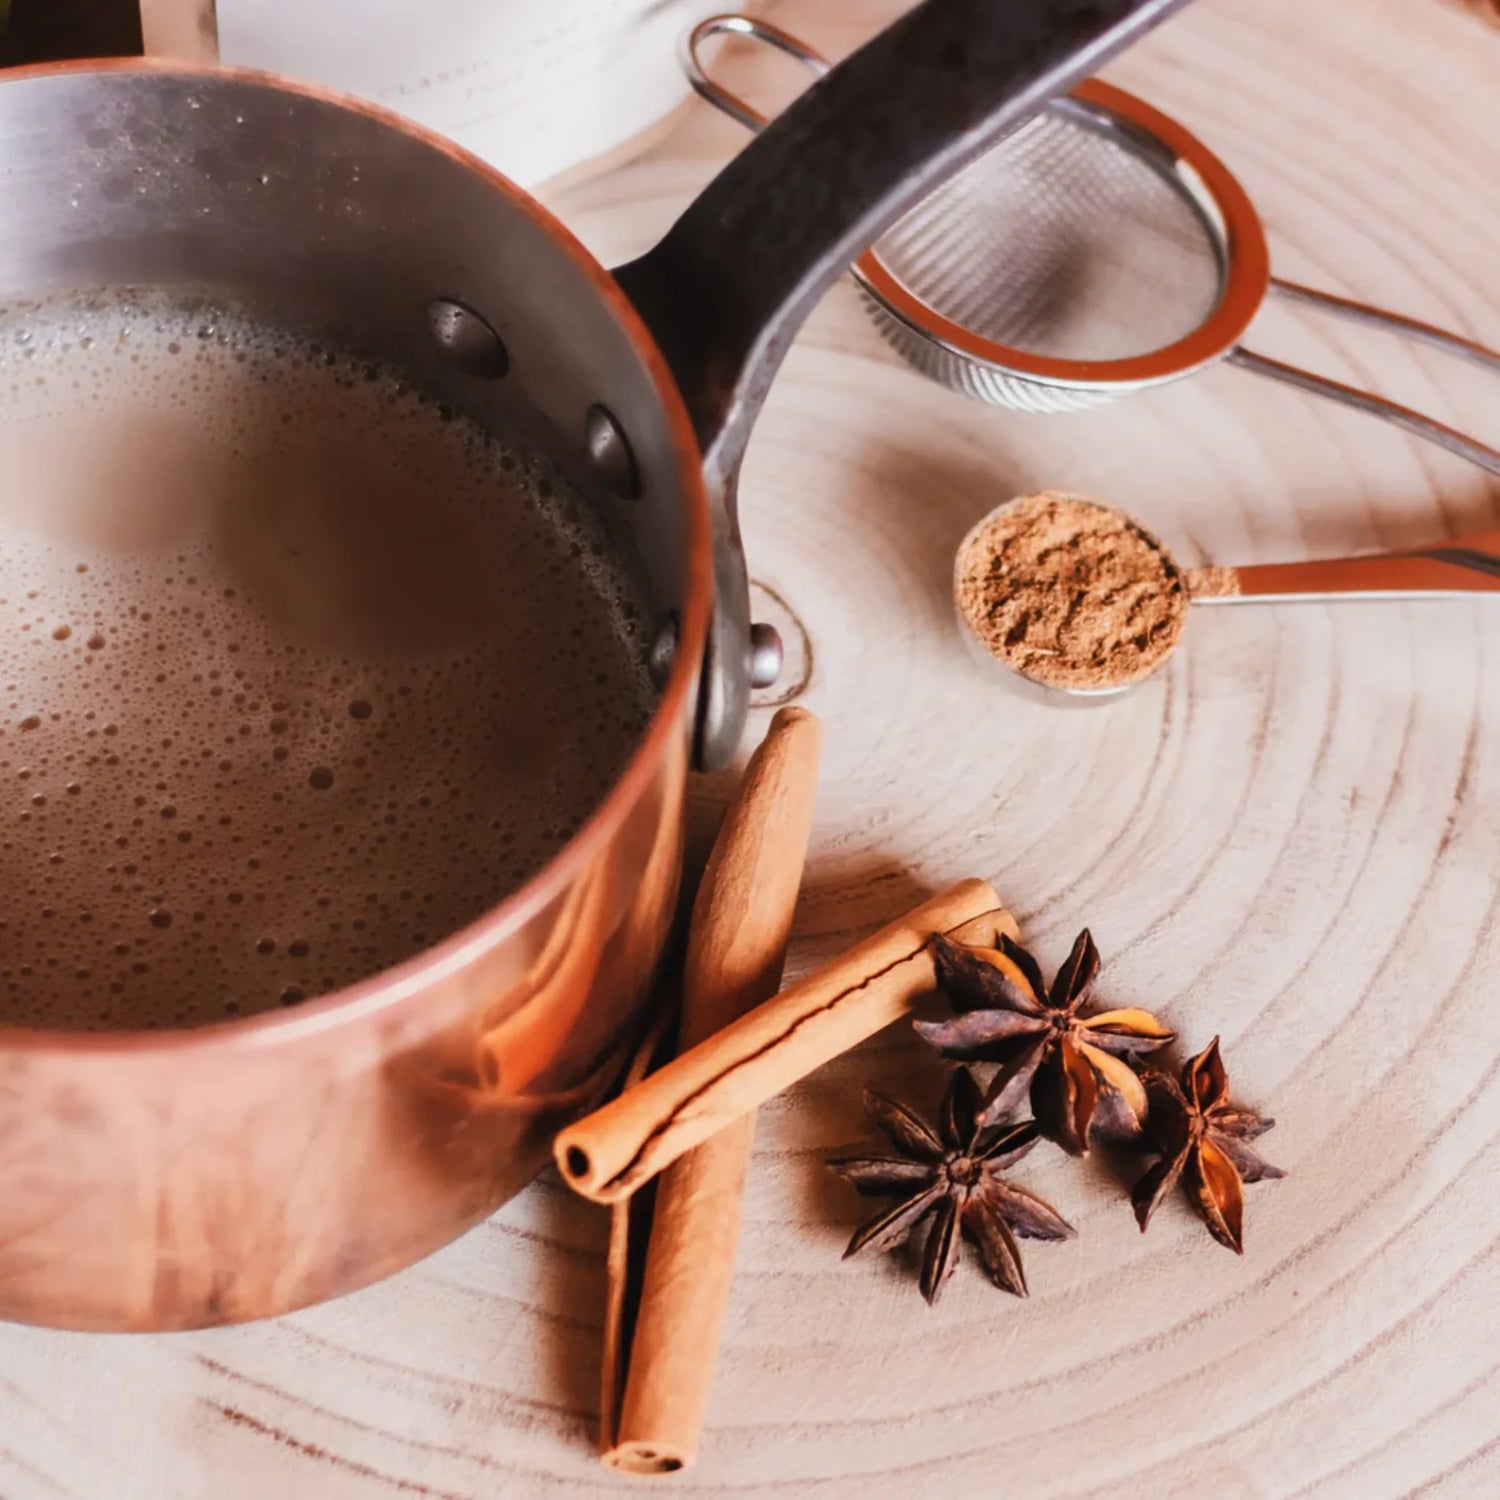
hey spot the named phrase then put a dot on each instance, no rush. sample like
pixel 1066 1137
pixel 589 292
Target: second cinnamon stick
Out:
pixel 736 944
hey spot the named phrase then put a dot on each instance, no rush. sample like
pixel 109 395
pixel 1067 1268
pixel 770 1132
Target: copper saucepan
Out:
pixel 173 1180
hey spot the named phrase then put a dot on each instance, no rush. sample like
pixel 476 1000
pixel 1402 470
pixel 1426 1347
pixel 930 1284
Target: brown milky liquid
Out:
pixel 298 674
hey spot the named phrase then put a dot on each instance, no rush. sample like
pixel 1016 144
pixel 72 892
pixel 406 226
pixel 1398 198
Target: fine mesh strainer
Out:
pixel 1098 250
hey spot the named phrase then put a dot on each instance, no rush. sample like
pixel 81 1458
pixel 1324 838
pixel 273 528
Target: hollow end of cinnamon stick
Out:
pixel 645 1458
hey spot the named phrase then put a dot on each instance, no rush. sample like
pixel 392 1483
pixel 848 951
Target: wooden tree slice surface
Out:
pixel 1290 840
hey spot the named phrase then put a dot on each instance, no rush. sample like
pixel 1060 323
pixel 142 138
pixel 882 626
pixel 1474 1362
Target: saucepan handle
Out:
pixel 727 288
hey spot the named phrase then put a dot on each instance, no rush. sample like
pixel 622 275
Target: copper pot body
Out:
pixel 174 1180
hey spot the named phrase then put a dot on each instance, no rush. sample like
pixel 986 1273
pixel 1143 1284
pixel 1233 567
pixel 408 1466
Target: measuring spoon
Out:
pixel 1465 566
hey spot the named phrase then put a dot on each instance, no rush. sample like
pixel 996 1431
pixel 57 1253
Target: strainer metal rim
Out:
pixel 1246 269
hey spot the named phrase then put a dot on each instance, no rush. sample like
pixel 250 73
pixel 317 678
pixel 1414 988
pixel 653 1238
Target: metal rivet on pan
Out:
pixel 765 655
pixel 663 652
pixel 609 452
pixel 467 339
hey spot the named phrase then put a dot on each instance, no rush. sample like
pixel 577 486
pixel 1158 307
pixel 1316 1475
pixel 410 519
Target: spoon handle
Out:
pixel 1468 565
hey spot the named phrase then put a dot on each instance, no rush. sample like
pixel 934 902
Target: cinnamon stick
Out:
pixel 607 1155
pixel 736 945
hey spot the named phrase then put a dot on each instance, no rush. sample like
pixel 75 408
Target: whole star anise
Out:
pixel 951 1174
pixel 1073 1064
pixel 1205 1140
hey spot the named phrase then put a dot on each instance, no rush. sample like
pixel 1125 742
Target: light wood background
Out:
pixel 1292 839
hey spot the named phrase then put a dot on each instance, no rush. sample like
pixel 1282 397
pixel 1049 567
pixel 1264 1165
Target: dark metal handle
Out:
pixel 728 287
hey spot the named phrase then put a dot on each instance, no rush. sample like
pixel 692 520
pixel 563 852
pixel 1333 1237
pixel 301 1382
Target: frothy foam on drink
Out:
pixel 299 673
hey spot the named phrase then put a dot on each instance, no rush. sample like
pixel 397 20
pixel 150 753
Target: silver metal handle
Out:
pixel 1439 339
pixel 1469 565
pixel 1403 417
pixel 750 28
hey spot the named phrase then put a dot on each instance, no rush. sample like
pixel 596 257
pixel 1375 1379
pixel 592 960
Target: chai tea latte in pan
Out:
pixel 298 672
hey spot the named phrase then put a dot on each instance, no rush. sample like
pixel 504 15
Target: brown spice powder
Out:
pixel 1070 593
pixel 1212 583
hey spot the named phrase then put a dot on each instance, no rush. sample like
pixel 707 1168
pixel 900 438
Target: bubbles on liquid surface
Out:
pixel 284 693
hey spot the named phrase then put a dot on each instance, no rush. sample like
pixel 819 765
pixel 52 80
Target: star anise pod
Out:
pixel 952 1175
pixel 1073 1064
pixel 1205 1140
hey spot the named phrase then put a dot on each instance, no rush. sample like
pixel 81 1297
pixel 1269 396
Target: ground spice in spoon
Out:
pixel 1069 593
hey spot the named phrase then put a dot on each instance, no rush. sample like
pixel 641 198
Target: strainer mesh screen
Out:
pixel 1062 242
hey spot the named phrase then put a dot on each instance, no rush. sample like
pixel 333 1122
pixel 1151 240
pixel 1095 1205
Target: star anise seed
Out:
pixel 1075 1066
pixel 1204 1141
pixel 951 1174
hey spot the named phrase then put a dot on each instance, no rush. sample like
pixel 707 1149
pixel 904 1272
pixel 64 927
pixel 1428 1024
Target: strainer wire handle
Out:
pixel 741 26
pixel 1438 339
pixel 1403 417
pixel 1460 444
